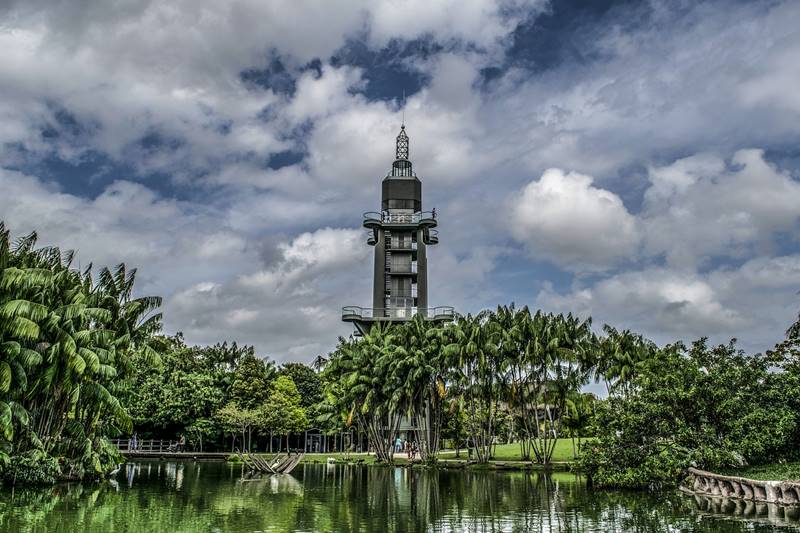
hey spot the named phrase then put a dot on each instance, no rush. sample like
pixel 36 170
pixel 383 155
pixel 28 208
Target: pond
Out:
pixel 152 496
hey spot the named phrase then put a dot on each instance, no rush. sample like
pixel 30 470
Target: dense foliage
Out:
pixel 68 343
pixel 192 385
pixel 209 392
pixel 492 369
pixel 711 407
pixel 81 360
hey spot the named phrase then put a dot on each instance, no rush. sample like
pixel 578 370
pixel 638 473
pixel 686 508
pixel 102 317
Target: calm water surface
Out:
pixel 151 496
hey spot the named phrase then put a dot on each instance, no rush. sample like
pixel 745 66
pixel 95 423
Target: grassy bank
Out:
pixel 772 472
pixel 506 456
pixel 511 452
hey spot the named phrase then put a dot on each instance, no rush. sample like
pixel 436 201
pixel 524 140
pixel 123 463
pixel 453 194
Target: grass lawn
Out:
pixel 367 459
pixel 504 452
pixel 511 452
pixel 771 472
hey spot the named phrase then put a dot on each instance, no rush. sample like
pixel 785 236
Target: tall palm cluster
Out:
pixel 67 345
pixel 362 384
pixel 496 364
pixel 621 354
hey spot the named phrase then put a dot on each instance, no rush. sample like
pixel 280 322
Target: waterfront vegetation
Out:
pixel 784 470
pixel 68 343
pixel 82 360
pixel 506 454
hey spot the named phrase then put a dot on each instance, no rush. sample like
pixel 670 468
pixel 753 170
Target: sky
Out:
pixel 632 161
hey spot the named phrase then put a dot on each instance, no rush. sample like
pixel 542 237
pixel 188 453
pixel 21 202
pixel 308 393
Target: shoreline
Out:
pixel 448 463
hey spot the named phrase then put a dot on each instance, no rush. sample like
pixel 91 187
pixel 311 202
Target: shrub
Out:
pixel 33 468
pixel 711 408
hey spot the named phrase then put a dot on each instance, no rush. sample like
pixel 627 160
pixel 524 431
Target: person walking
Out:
pixel 134 445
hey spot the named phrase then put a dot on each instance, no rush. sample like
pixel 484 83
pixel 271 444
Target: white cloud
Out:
pixel 754 302
pixel 708 80
pixel 173 68
pixel 294 302
pixel 697 209
pixel 215 283
pixel 325 94
pixel 477 21
pixel 717 75
pixel 564 218
pixel 775 81
pixel 680 303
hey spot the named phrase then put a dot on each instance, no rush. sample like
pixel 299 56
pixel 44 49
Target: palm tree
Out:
pixel 419 363
pixel 579 412
pixel 360 370
pixel 64 346
pixel 475 363
pixel 548 357
pixel 622 352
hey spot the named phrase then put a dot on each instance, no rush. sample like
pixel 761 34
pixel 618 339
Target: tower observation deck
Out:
pixel 400 234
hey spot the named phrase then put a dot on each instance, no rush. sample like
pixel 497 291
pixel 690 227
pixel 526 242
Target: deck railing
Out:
pixel 400 218
pixel 353 311
pixel 145 445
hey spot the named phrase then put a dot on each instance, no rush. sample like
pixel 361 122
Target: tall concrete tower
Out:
pixel 400 233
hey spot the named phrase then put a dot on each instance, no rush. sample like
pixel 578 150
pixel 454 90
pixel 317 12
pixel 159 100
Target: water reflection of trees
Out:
pixel 203 497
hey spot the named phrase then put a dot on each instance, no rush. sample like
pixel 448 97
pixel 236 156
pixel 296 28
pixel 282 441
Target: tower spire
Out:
pixel 402 165
pixel 402 144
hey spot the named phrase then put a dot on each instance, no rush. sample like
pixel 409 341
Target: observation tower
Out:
pixel 400 234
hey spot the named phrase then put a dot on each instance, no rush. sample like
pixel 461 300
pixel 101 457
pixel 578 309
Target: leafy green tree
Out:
pixel 283 412
pixel 456 425
pixel 420 365
pixel 68 343
pixel 202 429
pixel 620 356
pixel 308 382
pixel 192 385
pixel 171 399
pixel 713 407
pixel 578 416
pixel 530 362
pixel 253 376
pixel 238 420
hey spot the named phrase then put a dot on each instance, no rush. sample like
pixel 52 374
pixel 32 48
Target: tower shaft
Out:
pixel 400 233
